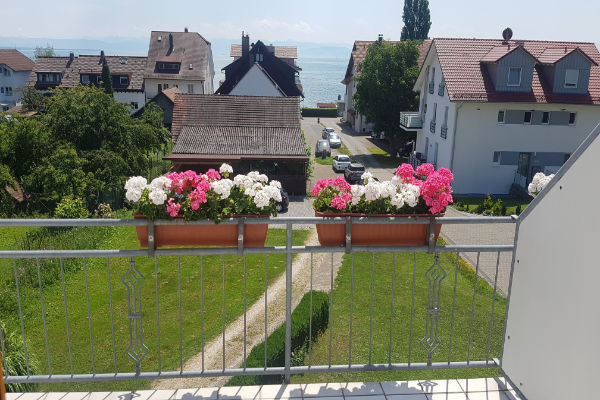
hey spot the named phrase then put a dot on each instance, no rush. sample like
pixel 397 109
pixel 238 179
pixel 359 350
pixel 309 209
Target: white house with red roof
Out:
pixel 497 111
pixel 15 68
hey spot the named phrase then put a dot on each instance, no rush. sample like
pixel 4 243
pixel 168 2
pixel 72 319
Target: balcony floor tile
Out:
pixel 441 386
pixel 362 389
pixel 401 388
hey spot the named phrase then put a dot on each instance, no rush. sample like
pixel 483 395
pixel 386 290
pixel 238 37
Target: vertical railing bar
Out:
pixel 288 302
pixel 487 356
pixel 392 307
pixel 310 315
pixel 351 307
pixel 223 308
pixel 43 317
pixel 473 310
pixel 371 311
pixel 21 318
pixel 179 309
pixel 245 330
pixel 112 320
pixel 157 314
pixel 3 357
pixel 62 276
pixel 331 310
pixel 202 307
pixel 266 311
pixel 87 301
pixel 453 308
pixel 2 361
pixel 412 308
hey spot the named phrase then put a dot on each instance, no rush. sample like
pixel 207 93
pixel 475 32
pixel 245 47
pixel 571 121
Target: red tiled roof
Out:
pixel 280 51
pixel 468 80
pixel 171 92
pixel 499 52
pixel 16 60
pixel 326 105
pixel 554 55
pixel 359 51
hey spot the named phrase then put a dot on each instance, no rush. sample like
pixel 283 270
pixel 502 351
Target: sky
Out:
pixel 334 22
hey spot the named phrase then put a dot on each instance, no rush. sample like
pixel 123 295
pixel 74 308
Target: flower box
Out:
pixel 204 235
pixel 375 234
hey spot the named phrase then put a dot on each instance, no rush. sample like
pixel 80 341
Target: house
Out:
pixel 497 111
pixel 248 132
pixel 179 59
pixel 15 68
pixel 127 75
pixel 326 105
pixel 259 71
pixel 165 100
pixel 359 52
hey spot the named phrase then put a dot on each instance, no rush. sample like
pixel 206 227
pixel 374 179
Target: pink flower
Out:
pixel 338 203
pixel 198 196
pixel 341 183
pixel 424 170
pixel 173 208
pixel 213 175
pixel 347 197
pixel 436 190
pixel 406 172
pixel 319 186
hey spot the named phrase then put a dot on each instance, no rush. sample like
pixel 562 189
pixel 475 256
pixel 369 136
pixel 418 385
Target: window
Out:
pixel 545 118
pixel 258 57
pixel 2 90
pixel 501 116
pixel 434 112
pixel 9 91
pixel 514 76
pixel 496 158
pixel 527 117
pixel 160 87
pixel 572 118
pixel 571 78
pixel 134 105
pixel 446 116
pixel 190 88
pixel 85 79
pixel 124 80
pixel 98 79
pixel 165 85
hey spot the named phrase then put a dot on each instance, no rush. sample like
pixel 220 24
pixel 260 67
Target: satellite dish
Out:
pixel 507 34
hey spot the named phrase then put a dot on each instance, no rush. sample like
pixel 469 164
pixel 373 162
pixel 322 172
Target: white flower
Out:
pixel 276 184
pixel 244 182
pixel 539 182
pixel 387 189
pixel 136 182
pixel 253 175
pixel 357 191
pixel 372 191
pixel 396 180
pixel 410 193
pixel 162 183
pixel 262 178
pixel 222 187
pixel 273 192
pixel 262 199
pixel 157 196
pixel 397 200
pixel 366 177
pixel 133 194
pixel 226 168
pixel 257 186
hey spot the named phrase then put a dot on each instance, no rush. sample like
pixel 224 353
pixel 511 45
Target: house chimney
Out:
pixel 185 29
pixel 380 37
pixel 101 57
pixel 245 44
pixel 170 43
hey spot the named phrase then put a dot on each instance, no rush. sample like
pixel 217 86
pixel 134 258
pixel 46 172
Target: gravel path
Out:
pixel 322 267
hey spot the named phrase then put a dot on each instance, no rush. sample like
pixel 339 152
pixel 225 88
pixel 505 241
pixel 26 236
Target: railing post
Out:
pixel 431 235
pixel 288 303
pixel 348 235
pixel 2 387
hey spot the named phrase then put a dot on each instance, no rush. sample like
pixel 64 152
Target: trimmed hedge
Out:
pixel 319 112
pixel 276 341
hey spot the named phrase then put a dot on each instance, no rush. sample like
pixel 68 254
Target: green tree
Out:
pixel 32 100
pixel 47 51
pixel 385 87
pixel 105 79
pixel 416 19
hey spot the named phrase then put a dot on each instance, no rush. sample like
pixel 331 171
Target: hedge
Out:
pixel 319 112
pixel 276 341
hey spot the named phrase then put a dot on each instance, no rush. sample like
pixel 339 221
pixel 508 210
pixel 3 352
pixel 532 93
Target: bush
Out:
pixel 480 209
pixel 276 341
pixel 319 112
pixel 16 361
pixel 518 210
pixel 71 208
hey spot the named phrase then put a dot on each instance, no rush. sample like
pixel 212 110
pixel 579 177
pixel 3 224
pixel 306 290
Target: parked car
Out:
pixel 354 172
pixel 322 149
pixel 334 140
pixel 283 205
pixel 326 132
pixel 341 162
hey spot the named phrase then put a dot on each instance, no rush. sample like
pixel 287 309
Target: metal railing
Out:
pixel 411 120
pixel 425 267
pixel 441 88
pixel 432 126
pixel 431 87
pixel 444 132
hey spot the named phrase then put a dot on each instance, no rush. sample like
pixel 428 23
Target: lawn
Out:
pixel 384 158
pixel 470 204
pixel 401 346
pixel 193 280
pixel 329 160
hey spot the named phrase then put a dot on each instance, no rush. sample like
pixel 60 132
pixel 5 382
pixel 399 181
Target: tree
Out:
pixel 47 51
pixel 31 99
pixel 106 80
pixel 416 20
pixel 385 87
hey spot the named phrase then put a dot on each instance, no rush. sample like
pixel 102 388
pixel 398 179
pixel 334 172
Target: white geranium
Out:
pixel 243 181
pixel 539 182
pixel 136 182
pixel 366 177
pixel 396 181
pixel 273 192
pixel 276 184
pixel 262 199
pixel 387 189
pixel 157 196
pixel 357 192
pixel 222 187
pixel 397 200
pixel 162 183
pixel 253 175
pixel 372 191
pixel 226 169
pixel 262 178
pixel 410 193
pixel 133 194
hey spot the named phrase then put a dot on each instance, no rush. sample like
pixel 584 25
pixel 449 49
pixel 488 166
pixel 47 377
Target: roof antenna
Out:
pixel 507 35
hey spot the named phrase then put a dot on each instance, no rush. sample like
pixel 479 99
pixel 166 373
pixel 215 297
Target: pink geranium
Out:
pixel 213 175
pixel 424 170
pixel 173 208
pixel 338 203
pixel 436 190
pixel 406 172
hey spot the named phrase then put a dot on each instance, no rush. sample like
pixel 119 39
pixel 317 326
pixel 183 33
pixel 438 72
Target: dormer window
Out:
pixel 258 57
pixel 514 76
pixel 571 78
pixel 167 67
pixel 85 79
pixel 124 80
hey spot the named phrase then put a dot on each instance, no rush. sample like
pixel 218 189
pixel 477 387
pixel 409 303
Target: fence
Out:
pixel 411 322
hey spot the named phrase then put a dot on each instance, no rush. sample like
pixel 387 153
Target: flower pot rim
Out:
pixel 141 216
pixel 334 214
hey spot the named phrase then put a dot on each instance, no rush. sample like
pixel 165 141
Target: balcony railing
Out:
pixel 118 335
pixel 444 132
pixel 410 120
pixel 431 86
pixel 432 126
pixel 441 88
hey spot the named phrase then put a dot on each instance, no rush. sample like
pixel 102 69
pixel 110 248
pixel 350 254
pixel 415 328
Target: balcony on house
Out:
pixel 410 121
pixel 431 87
pixel 432 126
pixel 186 320
pixel 444 132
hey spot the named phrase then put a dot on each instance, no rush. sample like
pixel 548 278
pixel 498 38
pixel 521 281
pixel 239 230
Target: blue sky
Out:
pixel 307 21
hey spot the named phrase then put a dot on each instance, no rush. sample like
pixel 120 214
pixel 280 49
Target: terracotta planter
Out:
pixel 375 234
pixel 204 235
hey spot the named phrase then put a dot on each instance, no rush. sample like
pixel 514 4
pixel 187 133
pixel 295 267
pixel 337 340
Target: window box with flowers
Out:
pixel 421 193
pixel 190 196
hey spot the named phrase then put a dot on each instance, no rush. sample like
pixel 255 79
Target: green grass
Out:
pixel 168 281
pixel 384 158
pixel 324 161
pixel 382 297
pixel 329 160
pixel 511 203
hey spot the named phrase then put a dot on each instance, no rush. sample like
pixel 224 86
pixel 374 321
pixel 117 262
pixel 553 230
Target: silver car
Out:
pixel 326 132
pixel 334 140
pixel 341 162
